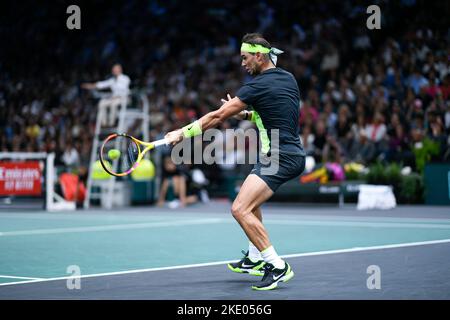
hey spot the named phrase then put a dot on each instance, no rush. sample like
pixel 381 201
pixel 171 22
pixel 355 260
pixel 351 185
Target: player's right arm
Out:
pixel 212 119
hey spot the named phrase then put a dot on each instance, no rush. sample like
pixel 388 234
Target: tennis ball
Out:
pixel 113 154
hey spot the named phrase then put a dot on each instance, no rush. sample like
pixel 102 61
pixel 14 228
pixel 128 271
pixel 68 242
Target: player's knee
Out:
pixel 237 210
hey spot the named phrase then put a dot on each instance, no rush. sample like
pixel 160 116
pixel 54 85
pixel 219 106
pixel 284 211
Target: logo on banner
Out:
pixel 20 178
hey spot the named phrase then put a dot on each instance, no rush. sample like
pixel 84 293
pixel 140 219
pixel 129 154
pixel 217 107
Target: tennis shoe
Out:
pixel 273 275
pixel 245 265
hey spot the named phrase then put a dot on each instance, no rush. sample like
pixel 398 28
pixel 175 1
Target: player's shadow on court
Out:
pixel 238 284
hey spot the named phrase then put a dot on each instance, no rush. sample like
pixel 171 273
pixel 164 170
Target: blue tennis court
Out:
pixel 154 253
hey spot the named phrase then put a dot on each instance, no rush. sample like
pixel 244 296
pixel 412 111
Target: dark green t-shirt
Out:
pixel 275 96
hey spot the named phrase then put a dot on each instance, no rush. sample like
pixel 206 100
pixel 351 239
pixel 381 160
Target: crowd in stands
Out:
pixel 367 95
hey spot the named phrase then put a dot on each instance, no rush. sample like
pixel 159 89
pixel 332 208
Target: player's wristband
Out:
pixel 191 130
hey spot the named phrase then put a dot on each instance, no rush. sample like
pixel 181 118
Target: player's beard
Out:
pixel 254 71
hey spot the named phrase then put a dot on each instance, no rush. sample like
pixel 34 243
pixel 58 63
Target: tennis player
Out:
pixel 274 96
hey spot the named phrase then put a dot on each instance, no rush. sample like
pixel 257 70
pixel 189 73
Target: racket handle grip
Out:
pixel 158 143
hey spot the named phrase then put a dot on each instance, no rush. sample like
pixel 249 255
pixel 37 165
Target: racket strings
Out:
pixel 129 154
pixel 132 154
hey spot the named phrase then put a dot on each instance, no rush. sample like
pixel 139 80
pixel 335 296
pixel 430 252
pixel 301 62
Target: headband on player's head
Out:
pixel 254 48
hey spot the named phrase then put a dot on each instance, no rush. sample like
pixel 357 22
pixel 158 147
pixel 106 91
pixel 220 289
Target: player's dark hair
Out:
pixel 257 38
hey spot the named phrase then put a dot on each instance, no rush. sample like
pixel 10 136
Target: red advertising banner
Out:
pixel 20 178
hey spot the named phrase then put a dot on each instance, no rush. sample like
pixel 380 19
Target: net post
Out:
pixel 50 161
pixel 54 202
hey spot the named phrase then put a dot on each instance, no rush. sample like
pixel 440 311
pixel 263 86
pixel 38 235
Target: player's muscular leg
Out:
pixel 246 211
pixel 257 212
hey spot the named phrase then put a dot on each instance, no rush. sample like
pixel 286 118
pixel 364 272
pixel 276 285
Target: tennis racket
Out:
pixel 121 153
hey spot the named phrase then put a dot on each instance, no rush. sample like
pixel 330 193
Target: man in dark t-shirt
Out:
pixel 274 96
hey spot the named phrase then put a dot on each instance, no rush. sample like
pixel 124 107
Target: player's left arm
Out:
pixel 243 115
pixel 210 120
pixel 229 109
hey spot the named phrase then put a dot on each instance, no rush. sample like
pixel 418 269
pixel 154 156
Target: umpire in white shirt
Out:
pixel 119 85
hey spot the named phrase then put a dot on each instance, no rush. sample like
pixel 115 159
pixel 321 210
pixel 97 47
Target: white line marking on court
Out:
pixel 112 227
pixel 306 254
pixel 357 249
pixel 145 225
pixel 15 277
pixel 357 224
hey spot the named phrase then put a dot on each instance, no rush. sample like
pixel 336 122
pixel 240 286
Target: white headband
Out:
pixel 274 52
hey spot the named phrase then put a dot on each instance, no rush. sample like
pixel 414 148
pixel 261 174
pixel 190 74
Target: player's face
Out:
pixel 250 63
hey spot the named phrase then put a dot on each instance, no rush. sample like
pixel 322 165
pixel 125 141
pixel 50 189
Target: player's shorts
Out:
pixel 279 170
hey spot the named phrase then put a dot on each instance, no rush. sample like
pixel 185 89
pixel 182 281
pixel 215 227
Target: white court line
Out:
pixel 145 225
pixel 126 226
pixel 368 224
pixel 15 277
pixel 307 254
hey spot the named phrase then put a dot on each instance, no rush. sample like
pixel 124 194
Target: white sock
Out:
pixel 253 253
pixel 270 256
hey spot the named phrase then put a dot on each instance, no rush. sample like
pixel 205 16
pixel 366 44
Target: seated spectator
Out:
pixel 330 61
pixel 173 176
pixel 331 94
pixel 364 77
pixel 445 87
pixel 436 132
pixel 447 118
pixel 346 93
pixel 433 87
pixel 33 130
pixel 358 128
pixel 308 111
pixel 307 139
pixel 320 139
pixel 330 115
pixel 363 149
pixel 416 81
pixel 399 150
pixel 376 130
pixel 343 129
pixel 332 151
